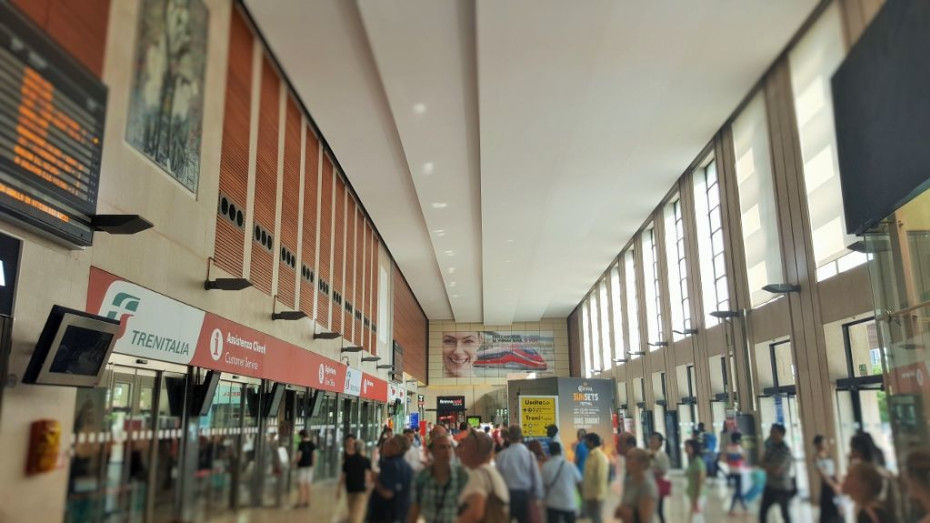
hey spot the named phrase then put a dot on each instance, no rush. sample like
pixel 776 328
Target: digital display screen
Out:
pixel 52 114
pixel 81 351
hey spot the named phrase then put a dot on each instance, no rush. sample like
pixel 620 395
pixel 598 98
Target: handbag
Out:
pixel 665 487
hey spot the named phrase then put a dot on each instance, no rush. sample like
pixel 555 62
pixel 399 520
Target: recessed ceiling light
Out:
pixel 509 241
pixel 439 205
pixel 419 108
pixel 451 284
pixel 506 261
pixel 428 168
pixel 440 232
pixel 455 295
pixel 450 253
pixel 451 270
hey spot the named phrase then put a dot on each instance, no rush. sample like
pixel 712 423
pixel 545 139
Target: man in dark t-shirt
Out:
pixel 304 460
pixel 355 472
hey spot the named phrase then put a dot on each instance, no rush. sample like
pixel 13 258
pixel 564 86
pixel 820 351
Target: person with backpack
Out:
pixel 436 488
pixel 485 498
pixel 560 482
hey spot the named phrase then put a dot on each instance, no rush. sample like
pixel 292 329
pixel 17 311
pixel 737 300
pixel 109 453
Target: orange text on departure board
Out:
pixel 33 152
pixel 32 202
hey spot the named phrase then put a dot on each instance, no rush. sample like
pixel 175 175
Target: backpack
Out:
pixel 495 509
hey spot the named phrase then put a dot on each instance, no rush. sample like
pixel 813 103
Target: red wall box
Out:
pixel 203 339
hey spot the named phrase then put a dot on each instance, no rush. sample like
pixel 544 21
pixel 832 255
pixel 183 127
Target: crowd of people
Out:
pixel 467 475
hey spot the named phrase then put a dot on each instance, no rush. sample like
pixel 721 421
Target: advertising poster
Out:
pixel 537 413
pixel 491 354
pixel 586 404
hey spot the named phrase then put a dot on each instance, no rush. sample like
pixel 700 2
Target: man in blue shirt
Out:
pixel 390 499
pixel 581 450
pixel 521 473
pixel 560 482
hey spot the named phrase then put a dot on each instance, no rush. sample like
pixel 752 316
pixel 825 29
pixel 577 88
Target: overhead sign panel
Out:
pixel 52 114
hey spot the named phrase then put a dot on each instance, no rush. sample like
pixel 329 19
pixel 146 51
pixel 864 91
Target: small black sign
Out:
pixel 450 403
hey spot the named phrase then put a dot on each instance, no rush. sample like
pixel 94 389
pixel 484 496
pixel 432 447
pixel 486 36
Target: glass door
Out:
pixel 219 447
pixel 168 439
pixel 113 447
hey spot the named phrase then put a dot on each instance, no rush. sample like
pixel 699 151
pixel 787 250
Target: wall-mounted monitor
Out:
pixel 203 394
pixel 273 402
pixel 73 349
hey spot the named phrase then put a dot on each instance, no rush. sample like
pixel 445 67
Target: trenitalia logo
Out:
pixel 123 307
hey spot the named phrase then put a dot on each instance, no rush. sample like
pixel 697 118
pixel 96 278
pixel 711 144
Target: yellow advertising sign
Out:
pixel 537 413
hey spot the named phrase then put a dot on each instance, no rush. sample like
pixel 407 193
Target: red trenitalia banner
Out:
pixel 157 327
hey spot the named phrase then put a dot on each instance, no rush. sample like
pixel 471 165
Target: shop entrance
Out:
pixel 126 448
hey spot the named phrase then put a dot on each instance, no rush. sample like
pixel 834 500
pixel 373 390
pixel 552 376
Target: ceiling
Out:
pixel 506 151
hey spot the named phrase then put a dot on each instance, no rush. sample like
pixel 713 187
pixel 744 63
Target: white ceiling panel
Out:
pixel 519 144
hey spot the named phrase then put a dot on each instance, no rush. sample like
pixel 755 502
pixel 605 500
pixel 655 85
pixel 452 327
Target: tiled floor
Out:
pixel 676 507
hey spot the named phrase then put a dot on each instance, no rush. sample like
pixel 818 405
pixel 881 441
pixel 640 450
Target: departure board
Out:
pixel 52 113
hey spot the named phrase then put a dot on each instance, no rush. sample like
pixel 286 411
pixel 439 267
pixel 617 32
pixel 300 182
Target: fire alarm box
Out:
pixel 44 446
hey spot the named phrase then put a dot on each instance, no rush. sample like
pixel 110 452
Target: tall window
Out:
pixel 813 61
pixel 616 294
pixel 586 338
pixel 651 283
pixel 757 200
pixel 716 295
pixel 605 326
pixel 632 309
pixel 677 269
pixel 595 332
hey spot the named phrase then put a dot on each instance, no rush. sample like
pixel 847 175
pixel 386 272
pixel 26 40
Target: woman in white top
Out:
pixel 917 477
pixel 485 497
pixel 660 465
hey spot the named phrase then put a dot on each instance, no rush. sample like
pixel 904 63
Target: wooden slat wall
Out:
pixel 339 256
pixel 373 302
pixel 290 200
pixel 359 274
pixel 326 237
pixel 234 158
pixel 79 26
pixel 410 328
pixel 350 270
pixel 266 177
pixel 308 249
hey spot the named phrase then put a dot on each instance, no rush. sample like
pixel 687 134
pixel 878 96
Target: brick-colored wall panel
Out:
pixel 234 156
pixel 410 329
pixel 290 200
pixel 326 221
pixel 266 177
pixel 79 26
pixel 308 241
pixel 339 256
pixel 350 269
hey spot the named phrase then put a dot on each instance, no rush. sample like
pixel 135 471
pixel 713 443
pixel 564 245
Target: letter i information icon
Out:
pixel 216 344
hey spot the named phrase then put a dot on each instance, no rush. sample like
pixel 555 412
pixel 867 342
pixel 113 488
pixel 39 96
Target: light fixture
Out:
pixel 325 335
pixel 386 367
pixel 119 223
pixel 224 284
pixel 371 358
pixel 621 360
pixel 782 288
pixel 657 343
pixel 419 108
pixel 286 315
pixel 636 353
pixel 451 270
pixel 451 284
pixel 352 348
pixel 686 332
pixel 509 241
pixel 428 168
pixel 439 205
pixel 455 295
pixel 410 381
pixel 449 253
pixel 725 315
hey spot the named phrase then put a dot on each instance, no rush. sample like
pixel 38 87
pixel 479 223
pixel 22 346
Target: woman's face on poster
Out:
pixel 459 351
